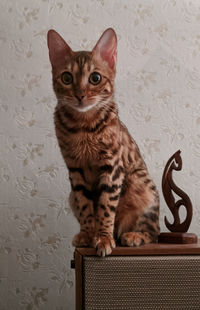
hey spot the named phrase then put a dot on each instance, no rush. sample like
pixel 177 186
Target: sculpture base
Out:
pixel 177 238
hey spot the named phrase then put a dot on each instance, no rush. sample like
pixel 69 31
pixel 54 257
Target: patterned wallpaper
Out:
pixel 158 93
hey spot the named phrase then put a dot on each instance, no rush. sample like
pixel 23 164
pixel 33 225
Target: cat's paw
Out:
pixel 82 239
pixel 104 244
pixel 135 239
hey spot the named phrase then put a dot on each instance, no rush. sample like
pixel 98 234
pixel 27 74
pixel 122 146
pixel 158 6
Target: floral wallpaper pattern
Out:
pixel 158 93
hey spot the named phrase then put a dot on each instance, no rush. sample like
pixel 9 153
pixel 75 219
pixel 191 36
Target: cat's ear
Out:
pixel 107 47
pixel 59 50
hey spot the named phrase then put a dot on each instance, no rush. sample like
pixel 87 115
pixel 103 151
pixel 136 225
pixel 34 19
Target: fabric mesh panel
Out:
pixel 150 282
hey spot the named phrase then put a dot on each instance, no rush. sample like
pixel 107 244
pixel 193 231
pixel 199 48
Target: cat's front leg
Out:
pixel 110 184
pixel 81 203
pixel 85 216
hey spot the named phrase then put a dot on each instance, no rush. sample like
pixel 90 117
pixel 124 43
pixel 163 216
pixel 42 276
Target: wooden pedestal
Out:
pixel 177 238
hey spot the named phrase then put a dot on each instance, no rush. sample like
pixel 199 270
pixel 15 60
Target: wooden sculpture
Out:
pixel 178 230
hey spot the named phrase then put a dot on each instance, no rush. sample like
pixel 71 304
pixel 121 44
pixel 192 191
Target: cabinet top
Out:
pixel 150 249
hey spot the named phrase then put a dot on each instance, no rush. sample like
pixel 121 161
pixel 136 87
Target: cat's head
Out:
pixel 83 80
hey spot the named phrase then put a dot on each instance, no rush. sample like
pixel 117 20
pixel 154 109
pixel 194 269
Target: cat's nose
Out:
pixel 80 97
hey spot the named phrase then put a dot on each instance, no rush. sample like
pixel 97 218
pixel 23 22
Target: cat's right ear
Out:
pixel 106 47
pixel 59 50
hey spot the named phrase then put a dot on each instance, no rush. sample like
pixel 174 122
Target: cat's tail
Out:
pixel 146 230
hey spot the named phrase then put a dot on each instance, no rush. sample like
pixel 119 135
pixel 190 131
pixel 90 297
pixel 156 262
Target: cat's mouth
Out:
pixel 83 105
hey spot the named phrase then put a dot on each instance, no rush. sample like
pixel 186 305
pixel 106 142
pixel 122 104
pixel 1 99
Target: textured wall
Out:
pixel 157 89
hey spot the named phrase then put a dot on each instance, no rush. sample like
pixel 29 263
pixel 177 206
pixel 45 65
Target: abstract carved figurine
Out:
pixel 175 163
pixel 178 230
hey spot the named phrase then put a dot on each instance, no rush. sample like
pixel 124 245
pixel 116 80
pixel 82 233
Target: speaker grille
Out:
pixel 152 282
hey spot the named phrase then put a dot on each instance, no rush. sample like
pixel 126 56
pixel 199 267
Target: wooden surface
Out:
pixel 150 249
pixel 79 285
pixel 145 250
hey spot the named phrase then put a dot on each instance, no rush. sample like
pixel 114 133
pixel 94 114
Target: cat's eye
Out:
pixel 67 78
pixel 95 78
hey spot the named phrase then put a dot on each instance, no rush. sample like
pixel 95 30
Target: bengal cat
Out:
pixel 112 195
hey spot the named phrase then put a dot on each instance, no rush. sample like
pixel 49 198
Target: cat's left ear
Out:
pixel 107 47
pixel 59 50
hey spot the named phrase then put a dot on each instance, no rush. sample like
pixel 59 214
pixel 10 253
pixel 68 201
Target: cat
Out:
pixel 112 194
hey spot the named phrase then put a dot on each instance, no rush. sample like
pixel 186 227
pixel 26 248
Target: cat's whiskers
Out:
pixel 95 103
pixel 103 103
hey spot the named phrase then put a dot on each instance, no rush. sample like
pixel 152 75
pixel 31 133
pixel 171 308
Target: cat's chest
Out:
pixel 91 173
pixel 85 146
